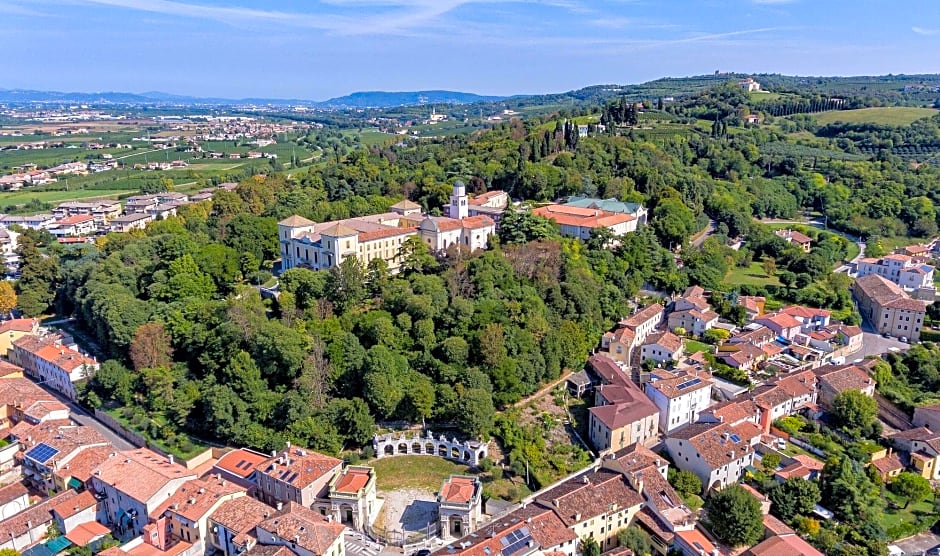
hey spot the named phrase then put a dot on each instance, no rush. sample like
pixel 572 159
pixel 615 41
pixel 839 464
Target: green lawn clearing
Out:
pixel 425 472
pixel 752 275
pixel 887 115
pixel 692 346
pixel 24 197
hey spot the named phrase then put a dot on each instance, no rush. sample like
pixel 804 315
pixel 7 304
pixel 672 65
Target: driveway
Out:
pixel 876 344
pixel 918 544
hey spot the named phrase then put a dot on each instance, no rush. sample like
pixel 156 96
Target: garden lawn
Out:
pixel 24 197
pixel 752 275
pixel 427 472
pixel 895 517
pixel 691 346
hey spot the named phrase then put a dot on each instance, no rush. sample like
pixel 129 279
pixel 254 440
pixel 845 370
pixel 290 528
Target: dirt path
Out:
pixel 544 390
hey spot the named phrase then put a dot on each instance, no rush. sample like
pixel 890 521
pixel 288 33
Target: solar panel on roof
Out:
pixel 42 453
pixel 240 463
pixel 689 383
pixel 292 477
pixel 735 438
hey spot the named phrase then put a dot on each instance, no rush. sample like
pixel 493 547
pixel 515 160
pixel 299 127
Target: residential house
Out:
pixel 14 498
pixel 232 525
pixel 785 396
pixel 33 222
pixel 631 333
pixel 14 329
pixel 749 85
pixel 799 466
pixel 22 401
pixel 460 506
pixel 49 447
pixel 240 467
pixel 801 240
pixel 679 397
pixel 303 531
pixel 832 380
pixel 783 324
pixel 888 466
pixel 716 453
pixel 75 511
pixel 662 347
pixel 298 475
pixel 132 484
pixel 529 530
pixel 888 308
pixel 809 318
pixel 78 471
pixel 352 497
pixel 923 447
pixel 753 305
pixel 131 221
pixel 55 364
pixel 596 504
pixel 187 510
pixel 623 415
pixel 581 222
pixel 742 356
pixel 664 512
pixel 31 525
pixel 694 543
pixel 694 321
pixel 911 275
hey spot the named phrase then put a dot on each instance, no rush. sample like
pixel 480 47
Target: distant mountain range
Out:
pixel 367 99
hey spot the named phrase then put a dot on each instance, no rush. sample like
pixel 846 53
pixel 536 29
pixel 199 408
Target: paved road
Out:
pixel 816 223
pixel 699 238
pixel 83 418
pixel 358 544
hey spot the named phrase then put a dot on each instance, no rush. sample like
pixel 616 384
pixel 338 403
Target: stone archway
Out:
pixel 470 452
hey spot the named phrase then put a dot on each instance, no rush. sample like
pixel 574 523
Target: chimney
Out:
pixel 280 506
pixel 171 459
pixel 585 480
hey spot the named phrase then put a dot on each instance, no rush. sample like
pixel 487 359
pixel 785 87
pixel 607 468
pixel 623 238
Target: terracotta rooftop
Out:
pixel 681 384
pixel 718 444
pixel 84 463
pixel 76 505
pixel 665 339
pixel 800 311
pixel 196 498
pixel 299 467
pixel 84 533
pixel 305 527
pixel 11 492
pixel 353 479
pixel 241 515
pixel 888 464
pixel 387 232
pixel 609 371
pixel 582 217
pixel 338 230
pixel 241 462
pixel 458 489
pixel 775 526
pixel 642 316
pixel 541 523
pixel 617 416
pixel 695 540
pixel 783 545
pixel 406 205
pixel 34 516
pixel 843 377
pixel 269 550
pixel 19 325
pixel 140 473
pixel 887 293
pixel 296 221
pixel 590 495
pixel 783 321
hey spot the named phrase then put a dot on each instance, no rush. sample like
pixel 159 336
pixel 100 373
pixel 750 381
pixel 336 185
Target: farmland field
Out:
pixel 888 115
pixel 23 197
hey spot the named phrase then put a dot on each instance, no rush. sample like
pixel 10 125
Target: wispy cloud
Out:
pixel 773 2
pixel 391 16
pixel 926 32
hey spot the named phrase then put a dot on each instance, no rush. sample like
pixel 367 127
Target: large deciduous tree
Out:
pixel 734 515
pixel 151 347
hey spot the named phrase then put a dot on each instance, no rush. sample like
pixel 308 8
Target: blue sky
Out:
pixel 316 49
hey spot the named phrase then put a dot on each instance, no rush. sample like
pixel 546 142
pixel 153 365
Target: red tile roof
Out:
pixel 458 490
pixel 85 533
pixel 582 217
pixel 196 498
pixel 140 473
pixel 305 527
pixel 241 515
pixel 76 505
pixel 309 466
pixel 784 545
pixel 354 479
pixel 241 462
pixel 19 325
